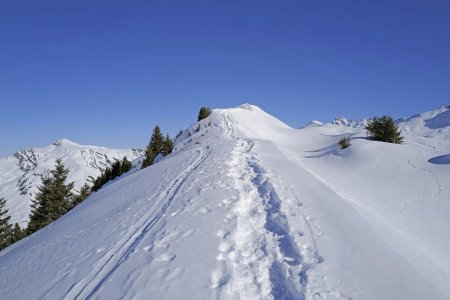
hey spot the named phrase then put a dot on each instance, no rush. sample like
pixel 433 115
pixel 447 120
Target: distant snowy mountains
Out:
pixel 420 124
pixel 247 207
pixel 20 174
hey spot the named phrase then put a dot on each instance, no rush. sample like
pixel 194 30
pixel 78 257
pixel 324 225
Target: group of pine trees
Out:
pixel 55 196
pixel 382 129
pixel 158 145
pixel 53 199
pixel 111 173
pixel 9 233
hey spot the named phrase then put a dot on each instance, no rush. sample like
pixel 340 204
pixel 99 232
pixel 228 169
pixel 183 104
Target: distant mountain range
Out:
pixel 20 174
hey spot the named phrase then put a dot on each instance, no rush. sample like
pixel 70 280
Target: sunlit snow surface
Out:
pixel 249 208
pixel 20 174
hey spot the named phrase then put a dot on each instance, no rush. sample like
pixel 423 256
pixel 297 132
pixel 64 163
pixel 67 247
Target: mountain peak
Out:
pixel 65 142
pixel 248 106
pixel 342 121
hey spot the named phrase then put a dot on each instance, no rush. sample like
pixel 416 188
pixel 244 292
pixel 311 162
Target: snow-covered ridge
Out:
pixel 20 174
pixel 350 123
pixel 312 124
pixel 250 208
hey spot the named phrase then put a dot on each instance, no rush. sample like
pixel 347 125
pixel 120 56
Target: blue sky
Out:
pixel 104 72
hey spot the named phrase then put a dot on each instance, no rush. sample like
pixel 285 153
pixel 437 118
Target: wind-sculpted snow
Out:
pixel 248 208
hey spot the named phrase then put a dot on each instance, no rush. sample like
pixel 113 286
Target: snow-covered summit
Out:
pixel 342 121
pixel 250 208
pixel 65 143
pixel 20 174
pixel 431 127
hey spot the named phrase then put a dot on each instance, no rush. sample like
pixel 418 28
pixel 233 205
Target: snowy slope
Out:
pixel 249 208
pixel 20 174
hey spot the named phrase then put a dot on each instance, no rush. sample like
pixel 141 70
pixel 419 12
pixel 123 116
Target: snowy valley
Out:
pixel 246 207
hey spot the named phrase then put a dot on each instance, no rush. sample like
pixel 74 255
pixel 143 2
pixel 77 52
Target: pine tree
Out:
pixel 85 191
pixel 154 147
pixel 97 183
pixel 5 227
pixel 384 129
pixel 18 233
pixel 116 170
pixel 344 142
pixel 204 113
pixel 53 199
pixel 126 165
pixel 167 146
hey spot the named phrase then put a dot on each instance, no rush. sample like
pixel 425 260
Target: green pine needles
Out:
pixel 53 199
pixel 384 129
pixel 344 142
pixel 111 173
pixel 203 113
pixel 158 145
pixel 5 227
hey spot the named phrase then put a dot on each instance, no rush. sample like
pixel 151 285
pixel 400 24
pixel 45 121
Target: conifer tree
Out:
pixel 126 165
pixel 167 146
pixel 204 113
pixel 116 170
pixel 97 183
pixel 384 129
pixel 53 198
pixel 154 147
pixel 18 233
pixel 344 142
pixel 6 229
pixel 85 191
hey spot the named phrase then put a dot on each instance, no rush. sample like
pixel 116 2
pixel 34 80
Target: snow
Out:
pixel 313 123
pixel 249 208
pixel 342 121
pixel 20 174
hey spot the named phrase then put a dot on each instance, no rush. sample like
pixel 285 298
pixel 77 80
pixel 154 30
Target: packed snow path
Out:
pixel 249 208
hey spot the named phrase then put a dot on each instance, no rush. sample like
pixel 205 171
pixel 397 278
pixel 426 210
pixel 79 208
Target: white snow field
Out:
pixel 250 208
pixel 20 174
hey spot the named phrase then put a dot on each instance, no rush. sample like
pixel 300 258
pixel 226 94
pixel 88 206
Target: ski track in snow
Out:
pixel 219 222
pixel 90 284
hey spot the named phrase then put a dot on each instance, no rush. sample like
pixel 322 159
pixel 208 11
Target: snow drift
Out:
pixel 249 208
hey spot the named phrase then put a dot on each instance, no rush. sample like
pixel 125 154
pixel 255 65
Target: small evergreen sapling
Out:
pixel 204 113
pixel 344 142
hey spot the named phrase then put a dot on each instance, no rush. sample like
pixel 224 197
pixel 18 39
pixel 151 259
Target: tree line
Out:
pixel 111 173
pixel 55 196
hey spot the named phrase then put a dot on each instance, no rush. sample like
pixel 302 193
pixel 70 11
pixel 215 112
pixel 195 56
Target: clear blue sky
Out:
pixel 104 72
